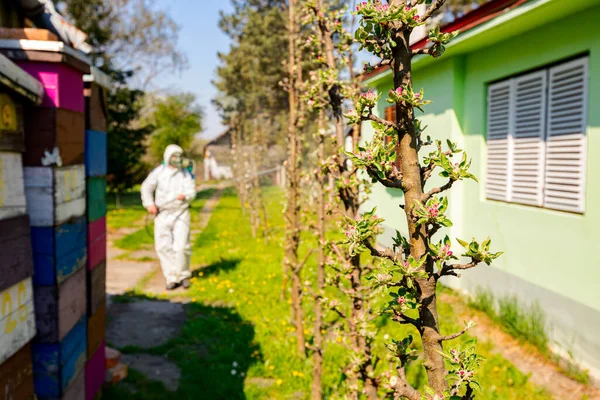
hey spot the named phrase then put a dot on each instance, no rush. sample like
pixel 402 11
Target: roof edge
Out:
pixel 20 81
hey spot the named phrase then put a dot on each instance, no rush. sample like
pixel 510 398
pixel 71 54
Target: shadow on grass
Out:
pixel 214 350
pixel 223 265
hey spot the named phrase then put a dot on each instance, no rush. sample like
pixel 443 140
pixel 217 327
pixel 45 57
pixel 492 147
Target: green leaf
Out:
pixel 462 243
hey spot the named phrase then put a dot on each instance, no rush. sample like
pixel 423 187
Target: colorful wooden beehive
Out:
pixel 55 192
pixel 96 169
pixel 17 317
pixel 58 366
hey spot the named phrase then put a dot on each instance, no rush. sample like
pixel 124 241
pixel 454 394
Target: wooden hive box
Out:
pixel 54 195
pixel 16 263
pixel 95 373
pixel 12 137
pixel 58 251
pixel 96 330
pixel 77 390
pixel 63 84
pixel 16 376
pixel 95 153
pixel 95 107
pixel 47 129
pixel 59 308
pixel 96 288
pixel 96 242
pixel 57 366
pixel 96 198
pixel 12 188
pixel 17 320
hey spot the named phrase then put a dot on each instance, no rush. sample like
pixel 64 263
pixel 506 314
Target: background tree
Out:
pixel 175 119
pixel 116 30
pixel 125 141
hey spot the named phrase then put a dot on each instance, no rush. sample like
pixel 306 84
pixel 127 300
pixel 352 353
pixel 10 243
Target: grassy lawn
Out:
pixel 238 342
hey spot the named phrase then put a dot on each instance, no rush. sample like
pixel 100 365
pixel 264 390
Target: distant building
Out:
pixel 217 158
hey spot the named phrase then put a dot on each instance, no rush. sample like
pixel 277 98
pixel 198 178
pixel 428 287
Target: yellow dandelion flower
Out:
pixel 339 339
pixel 271 367
pixel 201 274
pixel 279 382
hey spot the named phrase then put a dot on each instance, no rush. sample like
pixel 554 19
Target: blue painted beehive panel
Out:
pixel 55 366
pixel 58 252
pixel 95 153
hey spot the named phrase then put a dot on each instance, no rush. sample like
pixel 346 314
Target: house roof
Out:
pixel 467 22
pixel 492 22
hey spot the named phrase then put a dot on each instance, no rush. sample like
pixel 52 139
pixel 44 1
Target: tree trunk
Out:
pixel 411 172
pixel 291 263
pixel 317 391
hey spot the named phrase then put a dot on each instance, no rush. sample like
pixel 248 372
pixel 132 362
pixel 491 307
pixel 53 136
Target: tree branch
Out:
pixel 384 253
pixel 299 267
pixel 404 319
pixel 422 50
pixel 433 8
pixel 437 190
pixel 389 124
pixel 427 171
pixel 449 269
pixel 451 337
pixel 394 180
pixel 403 389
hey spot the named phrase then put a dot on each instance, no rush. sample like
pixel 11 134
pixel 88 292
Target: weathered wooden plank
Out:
pixel 27 34
pixel 95 107
pixel 16 263
pixel 96 330
pixel 54 195
pixel 12 137
pixel 94 373
pixel 50 128
pixel 95 153
pixel 17 320
pixel 96 288
pixel 21 55
pixel 12 189
pixel 59 308
pixel 96 241
pixel 63 84
pixel 96 198
pixel 56 366
pixel 58 252
pixel 16 376
pixel 77 390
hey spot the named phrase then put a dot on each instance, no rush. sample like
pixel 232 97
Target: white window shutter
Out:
pixel 566 137
pixel 528 145
pixel 499 122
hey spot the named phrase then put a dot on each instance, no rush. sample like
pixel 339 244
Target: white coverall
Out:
pixel 172 224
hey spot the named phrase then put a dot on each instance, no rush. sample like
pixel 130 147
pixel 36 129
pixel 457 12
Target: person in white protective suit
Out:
pixel 167 193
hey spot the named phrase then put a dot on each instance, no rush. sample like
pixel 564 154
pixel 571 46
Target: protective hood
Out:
pixel 169 151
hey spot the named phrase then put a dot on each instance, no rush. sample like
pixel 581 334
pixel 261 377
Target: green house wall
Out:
pixel 550 256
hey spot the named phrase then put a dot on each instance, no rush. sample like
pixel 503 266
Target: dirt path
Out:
pixel 542 372
pixel 143 323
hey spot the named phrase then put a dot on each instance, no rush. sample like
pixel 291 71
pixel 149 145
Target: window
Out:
pixel 536 138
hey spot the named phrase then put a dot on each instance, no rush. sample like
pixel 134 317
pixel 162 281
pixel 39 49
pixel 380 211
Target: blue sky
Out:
pixel 200 39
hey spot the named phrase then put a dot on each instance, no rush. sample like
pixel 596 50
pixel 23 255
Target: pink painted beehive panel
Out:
pixel 96 243
pixel 94 373
pixel 63 85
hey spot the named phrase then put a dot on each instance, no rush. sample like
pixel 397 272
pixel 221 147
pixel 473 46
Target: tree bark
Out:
pixel 317 391
pixel 291 263
pixel 411 171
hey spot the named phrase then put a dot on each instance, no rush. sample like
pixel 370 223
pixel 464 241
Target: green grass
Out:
pixel 526 323
pixel 236 317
